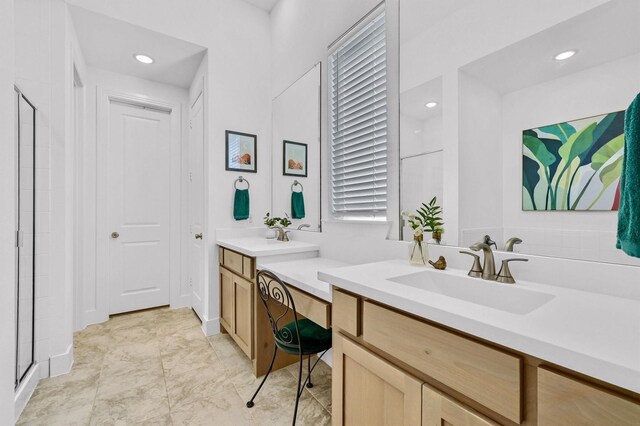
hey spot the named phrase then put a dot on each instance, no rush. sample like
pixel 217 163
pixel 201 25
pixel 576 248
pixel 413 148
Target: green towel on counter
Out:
pixel 241 204
pixel 297 205
pixel 629 213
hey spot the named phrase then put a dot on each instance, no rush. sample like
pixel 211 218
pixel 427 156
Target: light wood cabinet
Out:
pixel 380 354
pixel 438 409
pixel 563 400
pixel 367 390
pixel 484 374
pixel 236 309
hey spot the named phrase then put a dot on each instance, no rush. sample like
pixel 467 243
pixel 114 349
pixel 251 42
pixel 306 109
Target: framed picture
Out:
pixel 294 159
pixel 241 152
pixel 575 165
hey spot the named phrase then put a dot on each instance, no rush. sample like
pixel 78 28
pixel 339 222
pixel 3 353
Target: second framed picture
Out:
pixel 294 158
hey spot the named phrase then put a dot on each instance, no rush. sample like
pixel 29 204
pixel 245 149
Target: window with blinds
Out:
pixel 358 120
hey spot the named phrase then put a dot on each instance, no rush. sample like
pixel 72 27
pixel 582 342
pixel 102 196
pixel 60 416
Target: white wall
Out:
pixel 93 306
pixel 589 235
pixel 7 214
pixel 480 172
pixel 237 36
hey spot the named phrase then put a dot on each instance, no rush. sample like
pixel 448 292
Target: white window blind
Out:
pixel 358 120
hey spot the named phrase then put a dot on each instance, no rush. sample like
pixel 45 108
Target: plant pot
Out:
pixel 437 236
pixel 270 234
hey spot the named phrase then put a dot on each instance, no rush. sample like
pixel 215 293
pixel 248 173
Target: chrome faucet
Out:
pixel 304 225
pixel 282 233
pixel 489 265
pixel 508 246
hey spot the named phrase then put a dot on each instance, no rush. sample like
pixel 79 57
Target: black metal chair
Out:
pixel 301 337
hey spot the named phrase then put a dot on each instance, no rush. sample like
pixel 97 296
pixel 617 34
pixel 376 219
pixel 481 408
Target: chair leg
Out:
pixel 250 402
pixel 312 368
pixel 309 384
pixel 299 391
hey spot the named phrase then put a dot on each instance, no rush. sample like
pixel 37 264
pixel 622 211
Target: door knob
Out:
pixel 199 236
pixel 114 235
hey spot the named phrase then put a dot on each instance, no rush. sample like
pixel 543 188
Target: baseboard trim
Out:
pixel 61 364
pixel 328 358
pixel 210 326
pixel 25 391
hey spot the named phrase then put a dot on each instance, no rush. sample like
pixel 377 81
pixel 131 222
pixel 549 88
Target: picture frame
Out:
pixel 573 165
pixel 294 159
pixel 241 154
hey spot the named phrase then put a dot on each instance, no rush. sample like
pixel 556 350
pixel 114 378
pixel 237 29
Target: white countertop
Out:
pixel 260 246
pixel 591 333
pixel 303 274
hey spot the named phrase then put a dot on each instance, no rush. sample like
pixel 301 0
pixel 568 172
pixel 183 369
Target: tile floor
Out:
pixel 156 367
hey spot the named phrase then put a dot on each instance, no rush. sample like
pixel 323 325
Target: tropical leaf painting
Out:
pixel 574 165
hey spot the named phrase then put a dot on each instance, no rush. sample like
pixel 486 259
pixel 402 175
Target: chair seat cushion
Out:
pixel 314 337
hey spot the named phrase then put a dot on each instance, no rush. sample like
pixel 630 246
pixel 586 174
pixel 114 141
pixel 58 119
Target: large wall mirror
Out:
pixel 296 152
pixel 520 135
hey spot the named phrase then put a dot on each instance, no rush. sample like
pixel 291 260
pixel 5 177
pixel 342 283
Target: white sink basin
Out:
pixel 504 297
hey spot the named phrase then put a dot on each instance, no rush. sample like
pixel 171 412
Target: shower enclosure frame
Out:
pixel 20 96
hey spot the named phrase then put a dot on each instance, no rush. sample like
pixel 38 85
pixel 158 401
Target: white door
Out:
pixel 196 206
pixel 138 202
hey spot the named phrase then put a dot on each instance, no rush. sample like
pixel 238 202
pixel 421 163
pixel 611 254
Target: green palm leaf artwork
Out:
pixel 574 165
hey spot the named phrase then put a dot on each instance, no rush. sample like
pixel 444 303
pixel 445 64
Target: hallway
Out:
pixel 155 367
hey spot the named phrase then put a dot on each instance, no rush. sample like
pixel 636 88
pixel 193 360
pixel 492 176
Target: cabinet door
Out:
pixel 438 409
pixel 367 390
pixel 563 400
pixel 242 314
pixel 226 300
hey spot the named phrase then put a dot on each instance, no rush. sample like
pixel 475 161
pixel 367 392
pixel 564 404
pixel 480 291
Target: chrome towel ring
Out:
pixel 240 179
pixel 295 182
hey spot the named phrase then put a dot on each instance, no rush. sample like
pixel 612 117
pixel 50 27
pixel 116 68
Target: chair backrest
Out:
pixel 278 302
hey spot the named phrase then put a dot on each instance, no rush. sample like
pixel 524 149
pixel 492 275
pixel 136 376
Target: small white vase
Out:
pixel 270 234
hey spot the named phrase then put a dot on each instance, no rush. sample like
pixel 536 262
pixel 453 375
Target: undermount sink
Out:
pixel 504 297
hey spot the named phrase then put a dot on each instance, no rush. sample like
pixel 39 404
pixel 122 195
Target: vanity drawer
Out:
pixel 486 375
pixel 346 312
pixel 235 262
pixel 565 401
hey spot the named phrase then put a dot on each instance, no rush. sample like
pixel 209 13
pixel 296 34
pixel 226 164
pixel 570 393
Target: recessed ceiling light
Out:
pixel 144 59
pixel 565 55
pixel 431 104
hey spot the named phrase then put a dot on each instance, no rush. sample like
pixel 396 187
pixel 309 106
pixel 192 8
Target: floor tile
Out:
pixel 156 367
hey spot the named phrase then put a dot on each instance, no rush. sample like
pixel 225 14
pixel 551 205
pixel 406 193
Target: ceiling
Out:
pixel 263 4
pixel 417 16
pixel 110 44
pixel 601 35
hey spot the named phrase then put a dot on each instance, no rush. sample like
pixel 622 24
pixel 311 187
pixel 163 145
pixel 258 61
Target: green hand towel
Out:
pixel 297 205
pixel 241 204
pixel 629 213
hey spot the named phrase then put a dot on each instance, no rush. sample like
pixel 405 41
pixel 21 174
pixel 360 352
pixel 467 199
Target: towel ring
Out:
pixel 240 179
pixel 295 182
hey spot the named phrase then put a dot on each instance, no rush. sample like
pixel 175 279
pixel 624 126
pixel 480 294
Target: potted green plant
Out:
pixel 270 221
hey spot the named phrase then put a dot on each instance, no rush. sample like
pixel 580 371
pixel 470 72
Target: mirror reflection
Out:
pixel 494 132
pixel 296 153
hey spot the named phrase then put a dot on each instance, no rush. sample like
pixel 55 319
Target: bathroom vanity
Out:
pixel 242 314
pixel 408 350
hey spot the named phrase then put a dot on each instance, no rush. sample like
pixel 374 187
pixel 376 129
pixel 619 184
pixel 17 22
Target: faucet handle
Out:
pixel 504 276
pixel 476 269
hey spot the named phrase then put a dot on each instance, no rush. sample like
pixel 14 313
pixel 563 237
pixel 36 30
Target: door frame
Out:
pixel 104 98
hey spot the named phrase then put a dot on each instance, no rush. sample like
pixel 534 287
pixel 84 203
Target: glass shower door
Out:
pixel 25 236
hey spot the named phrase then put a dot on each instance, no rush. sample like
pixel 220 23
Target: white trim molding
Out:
pixel 210 326
pixel 25 390
pixel 62 363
